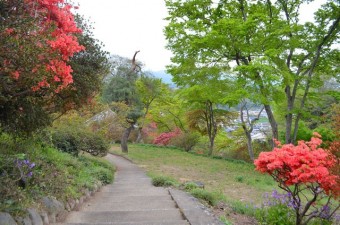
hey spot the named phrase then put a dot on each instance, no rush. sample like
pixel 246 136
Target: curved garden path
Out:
pixel 133 200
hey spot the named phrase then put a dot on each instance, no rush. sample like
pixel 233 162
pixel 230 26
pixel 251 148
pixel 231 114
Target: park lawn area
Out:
pixel 236 180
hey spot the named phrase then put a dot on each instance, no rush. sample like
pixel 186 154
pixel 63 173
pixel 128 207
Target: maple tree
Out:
pixel 38 37
pixel 303 168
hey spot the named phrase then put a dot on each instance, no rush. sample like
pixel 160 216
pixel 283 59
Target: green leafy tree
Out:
pixel 121 88
pixel 205 116
pixel 149 89
pixel 261 45
pixel 168 111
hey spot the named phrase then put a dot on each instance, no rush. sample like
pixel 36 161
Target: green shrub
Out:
pixel 74 141
pixel 93 143
pixel 161 181
pixel 185 141
pixel 328 135
pixel 66 141
pixel 204 195
pixel 104 175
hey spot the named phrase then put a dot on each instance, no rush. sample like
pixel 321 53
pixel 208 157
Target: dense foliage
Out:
pixel 37 41
pixel 30 171
pixel 258 50
pixel 44 66
pixel 303 168
pixel 119 90
pixel 77 141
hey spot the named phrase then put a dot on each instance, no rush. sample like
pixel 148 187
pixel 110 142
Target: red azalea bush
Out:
pixel 164 138
pixel 38 37
pixel 43 31
pixel 303 168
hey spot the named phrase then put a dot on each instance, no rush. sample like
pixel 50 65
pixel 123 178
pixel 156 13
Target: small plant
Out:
pixel 275 210
pixel 204 195
pixel 279 209
pixel 239 179
pixel 242 208
pixel 189 186
pixel 161 181
pixel 225 221
pixel 304 172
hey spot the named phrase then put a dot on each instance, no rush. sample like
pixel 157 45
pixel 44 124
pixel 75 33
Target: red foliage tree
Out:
pixel 300 169
pixel 38 37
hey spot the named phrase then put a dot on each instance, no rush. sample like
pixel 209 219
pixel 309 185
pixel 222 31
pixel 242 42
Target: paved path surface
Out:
pixel 133 200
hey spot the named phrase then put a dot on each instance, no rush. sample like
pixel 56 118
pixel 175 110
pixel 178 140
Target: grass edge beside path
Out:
pixel 174 167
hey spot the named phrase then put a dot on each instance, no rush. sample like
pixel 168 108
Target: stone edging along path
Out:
pixel 52 210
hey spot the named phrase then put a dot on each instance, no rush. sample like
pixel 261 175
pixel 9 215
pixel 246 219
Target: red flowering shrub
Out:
pixel 164 138
pixel 38 37
pixel 45 31
pixel 303 167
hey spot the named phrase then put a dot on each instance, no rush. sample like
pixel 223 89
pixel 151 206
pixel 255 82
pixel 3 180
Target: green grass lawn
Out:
pixel 236 180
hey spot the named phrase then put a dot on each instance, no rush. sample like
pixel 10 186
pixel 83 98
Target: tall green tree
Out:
pixel 121 88
pixel 262 45
pixel 149 88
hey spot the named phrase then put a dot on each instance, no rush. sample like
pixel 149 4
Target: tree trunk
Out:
pixel 289 115
pixel 139 135
pixel 124 140
pixel 211 125
pixel 272 122
pixel 211 147
pixel 250 145
pixel 248 129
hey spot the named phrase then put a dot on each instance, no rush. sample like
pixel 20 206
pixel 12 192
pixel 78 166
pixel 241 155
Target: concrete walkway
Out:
pixel 133 200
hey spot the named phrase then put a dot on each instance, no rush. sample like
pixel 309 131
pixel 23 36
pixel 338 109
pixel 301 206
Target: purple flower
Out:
pixel 337 218
pixel 19 162
pixel 325 212
pixel 25 167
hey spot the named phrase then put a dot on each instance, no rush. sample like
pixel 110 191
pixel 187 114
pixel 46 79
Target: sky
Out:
pixel 125 26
